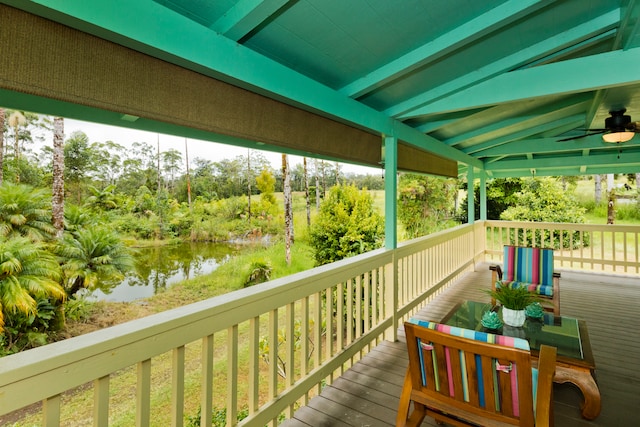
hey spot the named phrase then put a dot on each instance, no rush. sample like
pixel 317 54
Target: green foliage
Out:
pixel 266 183
pixel 259 272
pixel 77 309
pixel 263 346
pixel 25 211
pixel 515 298
pixel 28 272
pixel 500 195
pixel 347 225
pixel 425 203
pixel 544 200
pixel 218 418
pixel 28 330
pixel 91 257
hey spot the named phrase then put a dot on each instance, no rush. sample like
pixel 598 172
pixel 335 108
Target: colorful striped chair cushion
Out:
pixel 484 337
pixel 528 267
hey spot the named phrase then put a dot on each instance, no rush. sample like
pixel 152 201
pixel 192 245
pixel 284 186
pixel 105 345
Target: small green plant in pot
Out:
pixel 513 301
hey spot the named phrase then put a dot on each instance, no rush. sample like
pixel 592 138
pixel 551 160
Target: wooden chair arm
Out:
pixel 497 269
pixel 546 371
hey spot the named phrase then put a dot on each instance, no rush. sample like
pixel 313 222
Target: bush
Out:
pixel 500 196
pixel 544 200
pixel 425 203
pixel 347 225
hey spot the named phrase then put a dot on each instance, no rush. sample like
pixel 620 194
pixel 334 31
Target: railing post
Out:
pixel 392 289
pixel 390 162
pixel 471 207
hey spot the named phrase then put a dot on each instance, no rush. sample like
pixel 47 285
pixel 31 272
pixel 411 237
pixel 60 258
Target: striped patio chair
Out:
pixel 531 268
pixel 464 377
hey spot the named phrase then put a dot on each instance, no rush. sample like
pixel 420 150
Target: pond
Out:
pixel 157 268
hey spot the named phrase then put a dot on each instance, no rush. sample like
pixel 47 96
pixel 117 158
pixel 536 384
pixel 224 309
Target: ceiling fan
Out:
pixel 617 128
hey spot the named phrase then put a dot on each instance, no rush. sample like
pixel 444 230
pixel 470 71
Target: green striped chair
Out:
pixel 464 377
pixel 531 268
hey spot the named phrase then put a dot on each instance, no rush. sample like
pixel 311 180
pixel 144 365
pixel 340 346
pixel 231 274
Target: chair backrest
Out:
pixel 473 375
pixel 528 265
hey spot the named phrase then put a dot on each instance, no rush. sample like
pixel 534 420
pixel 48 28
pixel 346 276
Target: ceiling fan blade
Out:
pixel 600 131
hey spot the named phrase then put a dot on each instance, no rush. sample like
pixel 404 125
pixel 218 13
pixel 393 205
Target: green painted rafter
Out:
pixel 558 78
pixel 604 23
pixel 480 150
pixel 593 159
pixel 245 16
pixel 459 37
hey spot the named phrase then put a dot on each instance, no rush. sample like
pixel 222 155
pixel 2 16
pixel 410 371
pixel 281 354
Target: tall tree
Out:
pixel 186 160
pixel 306 191
pixel 288 210
pixel 57 203
pixel 248 184
pixel 16 119
pixel 78 161
pixel 597 179
pixel 1 144
pixel 317 185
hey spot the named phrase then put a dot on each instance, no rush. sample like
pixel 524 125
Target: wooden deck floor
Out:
pixel 367 394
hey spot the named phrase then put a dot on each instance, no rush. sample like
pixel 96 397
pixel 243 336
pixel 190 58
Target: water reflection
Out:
pixel 158 268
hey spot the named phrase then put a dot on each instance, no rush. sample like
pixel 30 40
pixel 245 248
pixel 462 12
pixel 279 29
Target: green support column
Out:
pixel 483 195
pixel 390 160
pixel 471 211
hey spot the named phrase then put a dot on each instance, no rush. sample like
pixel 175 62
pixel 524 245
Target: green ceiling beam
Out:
pixel 593 159
pixel 600 71
pixel 463 35
pixel 629 28
pixel 501 146
pixel 572 171
pixel 411 107
pixel 245 16
pixel 535 121
pixel 549 146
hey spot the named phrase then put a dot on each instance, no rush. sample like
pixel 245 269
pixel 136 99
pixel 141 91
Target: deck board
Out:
pixel 368 393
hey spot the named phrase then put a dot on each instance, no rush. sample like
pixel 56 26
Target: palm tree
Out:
pixel 93 256
pixel 25 211
pixel 104 199
pixel 27 272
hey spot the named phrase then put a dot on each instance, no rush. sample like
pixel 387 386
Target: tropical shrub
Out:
pixel 91 257
pixel 25 211
pixel 500 196
pixel 544 200
pixel 28 273
pixel 347 225
pixel 425 203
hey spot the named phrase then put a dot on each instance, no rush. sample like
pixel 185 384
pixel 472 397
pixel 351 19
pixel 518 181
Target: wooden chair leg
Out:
pixel 405 401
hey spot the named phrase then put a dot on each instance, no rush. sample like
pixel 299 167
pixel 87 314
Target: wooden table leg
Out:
pixel 583 379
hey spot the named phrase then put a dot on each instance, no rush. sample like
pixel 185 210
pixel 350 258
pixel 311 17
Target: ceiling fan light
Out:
pixel 616 137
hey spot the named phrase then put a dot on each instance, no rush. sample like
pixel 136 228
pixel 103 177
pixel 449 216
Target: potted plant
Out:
pixel 514 301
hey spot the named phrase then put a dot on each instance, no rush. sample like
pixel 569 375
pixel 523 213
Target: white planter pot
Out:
pixel 513 317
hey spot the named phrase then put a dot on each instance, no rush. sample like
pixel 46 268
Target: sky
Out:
pixel 197 148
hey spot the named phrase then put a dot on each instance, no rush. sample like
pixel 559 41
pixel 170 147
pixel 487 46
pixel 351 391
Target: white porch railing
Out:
pixel 264 350
pixel 607 248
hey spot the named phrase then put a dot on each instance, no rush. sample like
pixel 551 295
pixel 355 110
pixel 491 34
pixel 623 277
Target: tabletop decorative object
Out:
pixel 491 320
pixel 514 301
pixel 534 310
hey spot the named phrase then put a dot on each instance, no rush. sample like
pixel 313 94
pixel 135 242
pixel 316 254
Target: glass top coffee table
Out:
pixel 575 363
